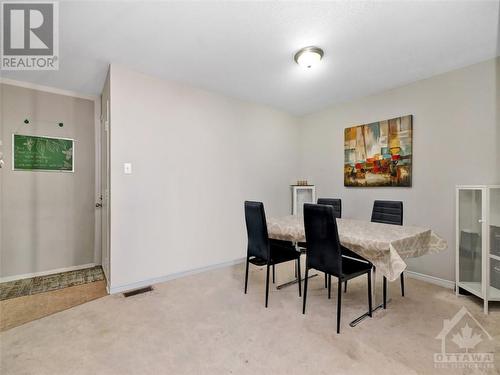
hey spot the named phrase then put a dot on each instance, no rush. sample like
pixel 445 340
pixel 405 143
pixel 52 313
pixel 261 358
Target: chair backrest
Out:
pixel 335 203
pixel 323 245
pixel 258 241
pixel 388 212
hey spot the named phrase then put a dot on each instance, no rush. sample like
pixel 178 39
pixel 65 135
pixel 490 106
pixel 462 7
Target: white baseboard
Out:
pixel 45 273
pixel 431 279
pixel 161 279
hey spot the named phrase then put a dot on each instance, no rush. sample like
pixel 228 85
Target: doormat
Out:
pixel 41 284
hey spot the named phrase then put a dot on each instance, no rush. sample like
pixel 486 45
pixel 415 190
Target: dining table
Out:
pixel 386 246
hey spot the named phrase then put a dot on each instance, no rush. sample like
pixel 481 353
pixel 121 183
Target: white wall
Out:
pixel 196 156
pixel 497 114
pixel 47 217
pixel 455 141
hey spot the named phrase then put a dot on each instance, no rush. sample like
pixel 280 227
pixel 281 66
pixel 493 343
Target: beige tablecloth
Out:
pixel 385 245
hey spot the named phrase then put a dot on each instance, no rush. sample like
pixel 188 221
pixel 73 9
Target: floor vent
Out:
pixel 138 291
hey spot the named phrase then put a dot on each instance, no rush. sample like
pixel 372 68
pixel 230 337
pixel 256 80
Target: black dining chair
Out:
pixel 335 203
pixel 261 250
pixel 337 212
pixel 389 212
pixel 325 254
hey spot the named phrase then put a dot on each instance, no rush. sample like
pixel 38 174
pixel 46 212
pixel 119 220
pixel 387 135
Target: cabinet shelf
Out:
pixel 494 294
pixel 472 287
pixel 475 288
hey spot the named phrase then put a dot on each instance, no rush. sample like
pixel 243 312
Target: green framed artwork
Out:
pixel 36 153
pixel 379 153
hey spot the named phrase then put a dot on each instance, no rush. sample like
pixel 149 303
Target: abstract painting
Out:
pixel 379 154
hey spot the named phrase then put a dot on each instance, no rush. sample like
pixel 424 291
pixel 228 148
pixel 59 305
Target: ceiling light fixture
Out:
pixel 308 56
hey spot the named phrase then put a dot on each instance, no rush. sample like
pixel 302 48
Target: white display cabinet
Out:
pixel 478 241
pixel 302 194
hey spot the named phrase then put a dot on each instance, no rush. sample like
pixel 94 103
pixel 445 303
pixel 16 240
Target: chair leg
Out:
pixel 267 283
pixel 296 262
pixel 369 274
pixel 326 281
pixel 385 293
pixel 329 286
pixel 402 284
pixel 345 286
pixel 305 291
pixel 273 273
pixel 298 277
pixel 246 277
pixel 339 304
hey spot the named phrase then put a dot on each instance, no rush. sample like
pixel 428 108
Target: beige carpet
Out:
pixel 20 310
pixel 204 324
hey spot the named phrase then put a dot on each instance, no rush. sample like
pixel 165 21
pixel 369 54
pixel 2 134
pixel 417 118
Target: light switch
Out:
pixel 127 168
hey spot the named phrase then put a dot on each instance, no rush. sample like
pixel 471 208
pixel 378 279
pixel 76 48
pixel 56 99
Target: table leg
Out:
pixel 296 280
pixel 374 283
pixel 359 319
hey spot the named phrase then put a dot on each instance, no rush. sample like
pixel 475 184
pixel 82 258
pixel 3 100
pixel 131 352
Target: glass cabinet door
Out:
pixel 470 238
pixel 494 242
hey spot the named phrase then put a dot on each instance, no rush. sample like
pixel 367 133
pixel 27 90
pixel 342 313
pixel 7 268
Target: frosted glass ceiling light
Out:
pixel 307 57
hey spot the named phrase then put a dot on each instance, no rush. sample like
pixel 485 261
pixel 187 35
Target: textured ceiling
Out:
pixel 245 49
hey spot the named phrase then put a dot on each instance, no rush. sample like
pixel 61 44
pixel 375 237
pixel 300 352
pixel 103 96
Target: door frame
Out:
pixel 104 193
pixel 97 178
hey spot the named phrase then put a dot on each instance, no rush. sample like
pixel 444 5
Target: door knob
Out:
pixel 98 205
